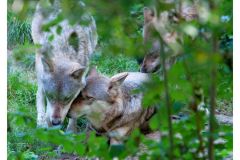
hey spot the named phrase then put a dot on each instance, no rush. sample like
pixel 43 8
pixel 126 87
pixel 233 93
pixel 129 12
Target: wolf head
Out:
pixel 100 91
pixel 151 62
pixel 61 81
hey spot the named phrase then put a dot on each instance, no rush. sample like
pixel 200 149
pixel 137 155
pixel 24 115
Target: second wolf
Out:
pixel 153 24
pixel 110 105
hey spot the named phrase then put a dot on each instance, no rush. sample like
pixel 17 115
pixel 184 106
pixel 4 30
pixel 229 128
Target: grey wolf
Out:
pixel 154 24
pixel 110 105
pixel 60 65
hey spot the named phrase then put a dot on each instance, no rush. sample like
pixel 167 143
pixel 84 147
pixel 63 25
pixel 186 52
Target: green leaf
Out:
pixel 46 27
pixel 116 150
pixel 59 30
pixel 51 38
pixel 154 122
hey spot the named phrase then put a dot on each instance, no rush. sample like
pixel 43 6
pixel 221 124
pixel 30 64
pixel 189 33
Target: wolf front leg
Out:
pixel 72 125
pixel 41 113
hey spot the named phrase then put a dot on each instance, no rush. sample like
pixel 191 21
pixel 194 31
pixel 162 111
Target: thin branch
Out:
pixel 213 75
pixel 212 102
pixel 167 98
pixel 197 116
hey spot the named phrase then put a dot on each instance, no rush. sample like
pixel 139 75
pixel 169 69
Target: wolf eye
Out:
pixel 50 96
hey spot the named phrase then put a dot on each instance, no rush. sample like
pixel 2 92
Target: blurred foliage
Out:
pixel 119 26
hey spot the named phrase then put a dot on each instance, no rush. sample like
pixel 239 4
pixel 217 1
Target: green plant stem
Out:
pixel 167 98
pixel 197 118
pixel 213 75
pixel 212 103
pixel 198 122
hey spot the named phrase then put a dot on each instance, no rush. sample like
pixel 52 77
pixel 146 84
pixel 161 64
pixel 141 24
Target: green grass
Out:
pixel 19 32
pixel 21 102
pixel 113 64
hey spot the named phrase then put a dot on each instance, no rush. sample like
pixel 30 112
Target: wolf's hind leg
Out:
pixel 41 113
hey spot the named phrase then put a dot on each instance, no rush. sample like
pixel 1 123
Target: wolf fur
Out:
pixel 110 105
pixel 60 66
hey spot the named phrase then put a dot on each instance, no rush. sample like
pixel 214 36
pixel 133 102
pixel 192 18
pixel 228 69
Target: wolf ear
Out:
pixel 78 73
pixel 93 72
pixel 47 65
pixel 148 14
pixel 117 80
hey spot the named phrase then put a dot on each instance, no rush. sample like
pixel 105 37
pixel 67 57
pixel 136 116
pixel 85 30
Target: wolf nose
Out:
pixel 56 121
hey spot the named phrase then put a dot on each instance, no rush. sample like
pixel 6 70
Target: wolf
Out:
pixel 110 105
pixel 152 60
pixel 61 65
